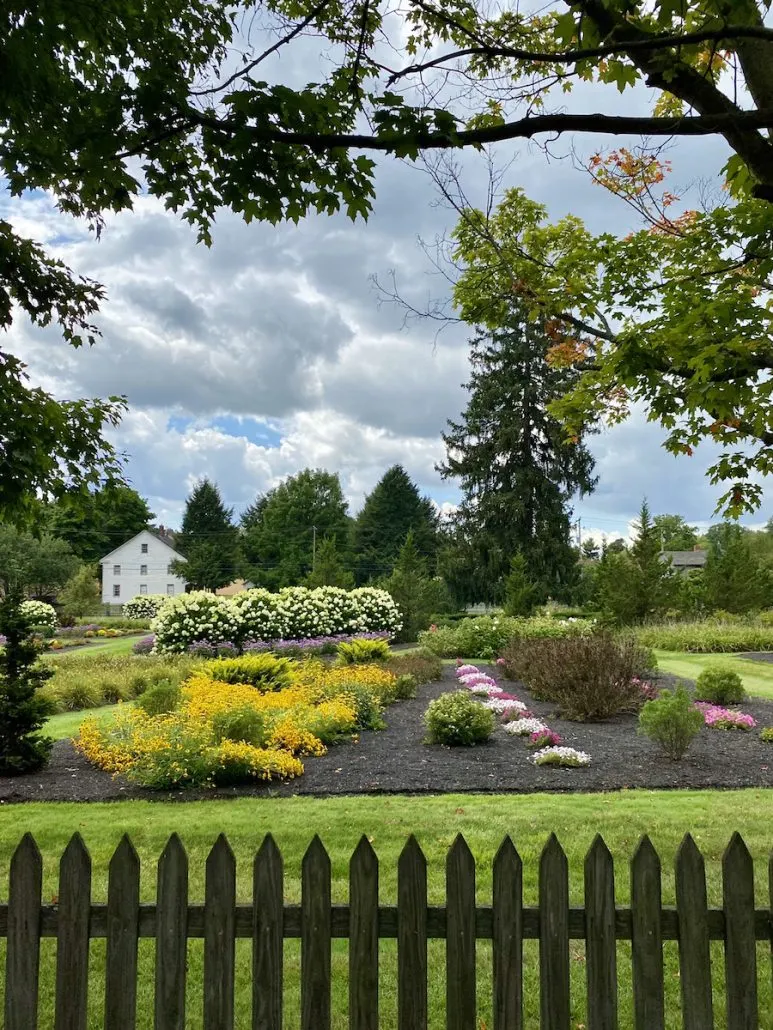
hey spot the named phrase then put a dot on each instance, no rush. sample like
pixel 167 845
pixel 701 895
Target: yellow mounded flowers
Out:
pixel 233 733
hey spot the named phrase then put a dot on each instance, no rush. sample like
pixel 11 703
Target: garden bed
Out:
pixel 396 760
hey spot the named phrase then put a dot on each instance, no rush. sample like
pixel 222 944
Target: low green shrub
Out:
pixel 263 671
pixel 766 735
pixel 720 685
pixel 589 677
pixel 160 699
pixel 368 710
pixel 458 720
pixel 422 665
pixel 672 721
pixel 363 652
pixel 710 636
pixel 242 724
pixel 485 637
pixel 405 687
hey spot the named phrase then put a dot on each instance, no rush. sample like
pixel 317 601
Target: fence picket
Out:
pixel 600 946
pixel 554 937
pixel 316 937
pixel 412 938
pixel 363 938
pixel 123 913
pixel 507 938
pixel 694 950
pixel 22 957
pixel 460 937
pixel 646 938
pixel 219 937
pixel 267 937
pixel 72 945
pixel 740 943
pixel 171 936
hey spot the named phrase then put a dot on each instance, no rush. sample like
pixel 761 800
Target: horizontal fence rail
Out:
pixel 75 920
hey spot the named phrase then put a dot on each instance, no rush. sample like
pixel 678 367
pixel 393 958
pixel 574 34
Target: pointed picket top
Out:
pixel 174 850
pixel 645 854
pixel 736 857
pixel 507 852
pixel 268 850
pixel 688 853
pixel 364 855
pixel 459 854
pixel 316 854
pixel 553 854
pixel 76 853
pixel 221 854
pixel 598 853
pixel 27 851
pixel 412 855
pixel 125 854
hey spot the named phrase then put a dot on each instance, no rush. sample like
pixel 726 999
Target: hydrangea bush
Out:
pixel 256 619
pixel 144 606
pixel 39 614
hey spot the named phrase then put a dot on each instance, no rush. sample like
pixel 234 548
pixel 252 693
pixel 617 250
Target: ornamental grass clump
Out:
pixel 363 652
pixel 719 685
pixel 457 720
pixel 672 721
pixel 262 671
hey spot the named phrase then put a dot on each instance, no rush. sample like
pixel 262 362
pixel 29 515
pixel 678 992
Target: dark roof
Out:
pixel 686 559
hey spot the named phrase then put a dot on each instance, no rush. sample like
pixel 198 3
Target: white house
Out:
pixel 140 566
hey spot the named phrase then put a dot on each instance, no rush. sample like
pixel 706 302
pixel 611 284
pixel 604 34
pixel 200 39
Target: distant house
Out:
pixel 142 565
pixel 685 561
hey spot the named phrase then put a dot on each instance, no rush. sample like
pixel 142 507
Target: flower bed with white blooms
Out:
pixel 291 614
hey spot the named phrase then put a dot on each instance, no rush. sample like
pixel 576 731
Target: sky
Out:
pixel 273 350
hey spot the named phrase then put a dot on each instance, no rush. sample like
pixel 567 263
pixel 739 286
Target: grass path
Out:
pixel 483 819
pixel 116 645
pixel 757 676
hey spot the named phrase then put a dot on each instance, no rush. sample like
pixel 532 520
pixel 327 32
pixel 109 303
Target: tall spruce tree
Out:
pixel 208 540
pixel 735 579
pixel 516 468
pixel 392 510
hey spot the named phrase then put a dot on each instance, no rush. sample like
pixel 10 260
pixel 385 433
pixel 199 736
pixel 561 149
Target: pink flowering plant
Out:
pixel 723 718
pixel 544 738
pixel 647 689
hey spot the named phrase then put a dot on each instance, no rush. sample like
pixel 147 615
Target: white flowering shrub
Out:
pixel 40 614
pixel 192 617
pixel 144 606
pixel 258 616
pixel 295 613
pixel 378 611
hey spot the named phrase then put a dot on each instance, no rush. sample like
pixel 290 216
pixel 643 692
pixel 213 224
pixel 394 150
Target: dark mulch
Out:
pixel 397 761
pixel 757 656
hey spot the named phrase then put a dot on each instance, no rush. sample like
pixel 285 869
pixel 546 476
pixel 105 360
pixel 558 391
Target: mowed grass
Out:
pixel 115 645
pixel 757 676
pixel 68 724
pixel 483 819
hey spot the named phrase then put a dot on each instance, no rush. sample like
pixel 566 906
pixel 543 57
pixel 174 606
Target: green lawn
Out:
pixel 483 819
pixel 116 645
pixel 757 676
pixel 67 724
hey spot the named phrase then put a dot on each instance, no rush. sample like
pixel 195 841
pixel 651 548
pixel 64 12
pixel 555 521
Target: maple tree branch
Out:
pixel 656 42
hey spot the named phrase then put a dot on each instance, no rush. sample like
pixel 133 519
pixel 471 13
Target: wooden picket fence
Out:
pixel 75 920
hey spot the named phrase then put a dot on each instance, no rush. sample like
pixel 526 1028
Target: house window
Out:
pixel 170 589
pixel 116 589
pixel 143 588
pixel 116 570
pixel 144 548
pixel 143 570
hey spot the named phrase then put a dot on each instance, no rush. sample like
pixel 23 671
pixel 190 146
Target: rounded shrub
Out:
pixel 363 652
pixel 458 720
pixel 405 686
pixel 672 721
pixel 242 723
pixel 39 615
pixel 262 671
pixel 257 615
pixel 196 616
pixel 766 735
pixel 720 685
pixel 164 697
pixel 144 606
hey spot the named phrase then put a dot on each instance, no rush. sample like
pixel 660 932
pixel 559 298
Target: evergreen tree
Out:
pixel 329 569
pixel 208 540
pixel 590 550
pixel 734 578
pixel 278 547
pixel 418 595
pixel 520 592
pixel 392 510
pixel 23 709
pixel 516 468
pixel 636 584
